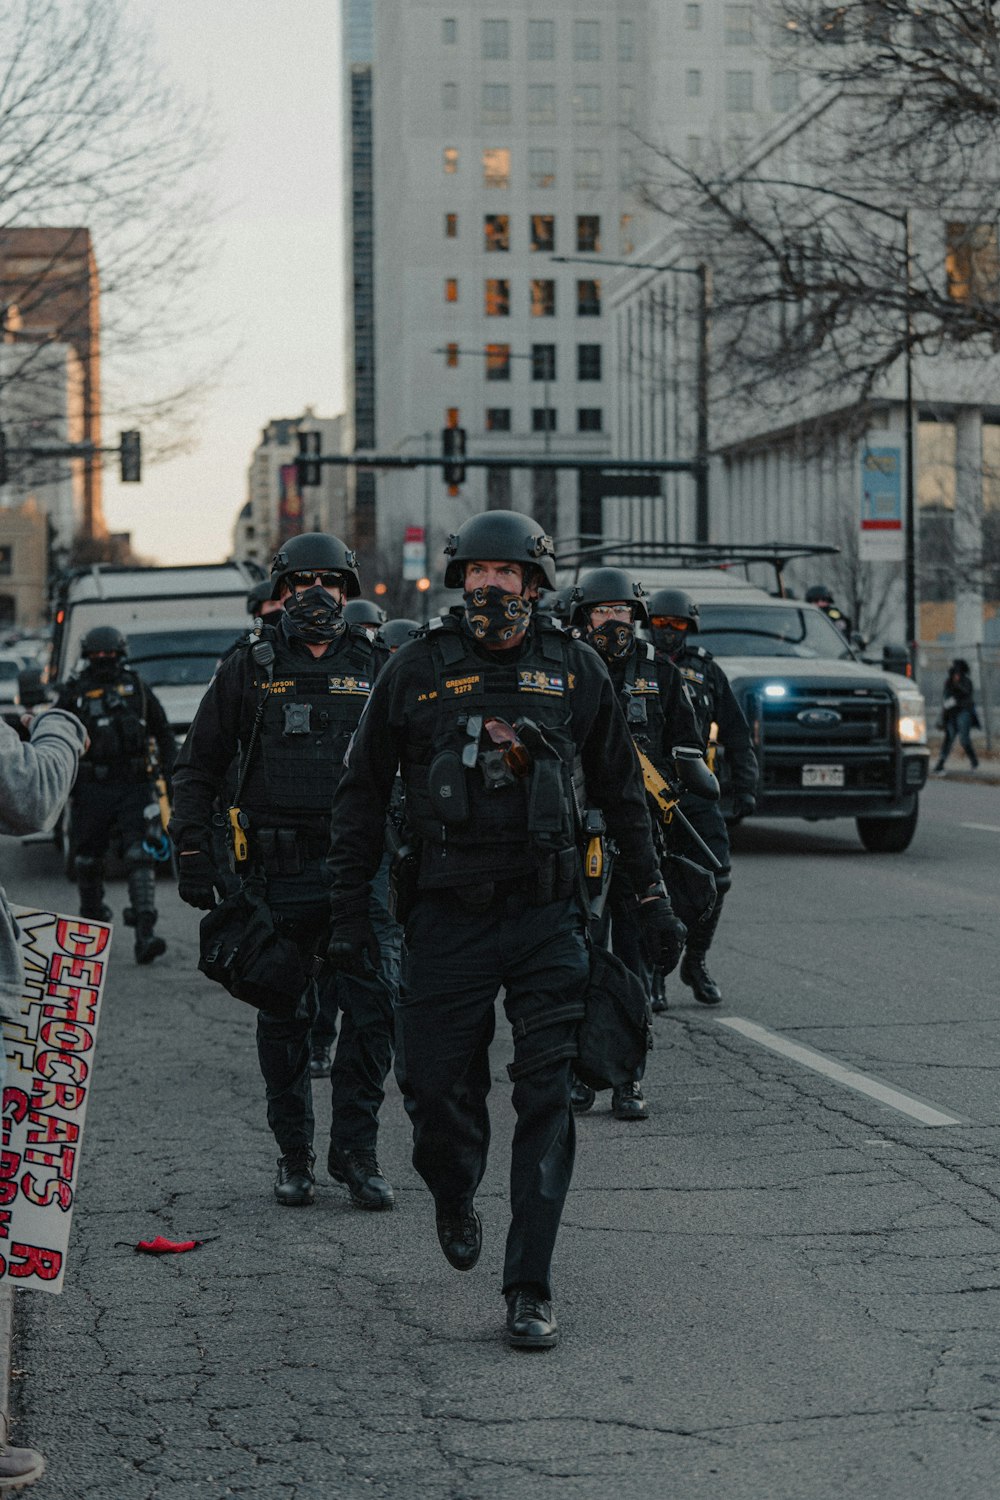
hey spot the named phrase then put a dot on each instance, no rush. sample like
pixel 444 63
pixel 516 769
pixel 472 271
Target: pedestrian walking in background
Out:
pixel 958 714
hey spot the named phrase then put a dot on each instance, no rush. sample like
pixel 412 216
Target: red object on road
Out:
pixel 160 1246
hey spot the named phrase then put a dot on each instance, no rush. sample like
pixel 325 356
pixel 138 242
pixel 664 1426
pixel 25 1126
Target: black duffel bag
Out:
pixel 617 1028
pixel 242 950
pixel 691 888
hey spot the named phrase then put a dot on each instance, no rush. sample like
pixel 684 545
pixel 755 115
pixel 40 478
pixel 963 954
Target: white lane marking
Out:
pixel 983 827
pixel 861 1083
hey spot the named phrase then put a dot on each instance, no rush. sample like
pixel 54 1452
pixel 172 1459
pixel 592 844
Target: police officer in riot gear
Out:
pixel 311 698
pixel 364 613
pixel 496 720
pixel 606 605
pixel 396 633
pixel 822 597
pixel 260 604
pixel 673 620
pixel 115 790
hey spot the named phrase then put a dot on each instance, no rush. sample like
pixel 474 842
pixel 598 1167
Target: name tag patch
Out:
pixel 455 687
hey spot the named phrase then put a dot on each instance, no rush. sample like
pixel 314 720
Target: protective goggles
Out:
pixel 611 612
pixel 305 580
pixel 514 755
pixel 669 622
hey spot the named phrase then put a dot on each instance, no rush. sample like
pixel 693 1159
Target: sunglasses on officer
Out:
pixel 669 622
pixel 305 580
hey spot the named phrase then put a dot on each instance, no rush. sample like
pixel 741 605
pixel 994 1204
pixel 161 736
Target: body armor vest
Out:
pixel 310 713
pixel 475 816
pixel 695 665
pixel 115 717
pixel 639 696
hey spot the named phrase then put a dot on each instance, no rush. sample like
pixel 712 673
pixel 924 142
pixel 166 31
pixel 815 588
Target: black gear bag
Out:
pixel 617 1028
pixel 242 950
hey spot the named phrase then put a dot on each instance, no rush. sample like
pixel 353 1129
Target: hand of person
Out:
pixel 744 804
pixel 197 880
pixel 663 931
pixel 353 947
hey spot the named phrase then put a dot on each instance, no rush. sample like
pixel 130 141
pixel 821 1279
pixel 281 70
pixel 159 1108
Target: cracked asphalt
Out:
pixel 775 1288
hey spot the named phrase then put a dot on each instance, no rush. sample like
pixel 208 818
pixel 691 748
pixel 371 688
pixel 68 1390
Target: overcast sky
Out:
pixel 271 72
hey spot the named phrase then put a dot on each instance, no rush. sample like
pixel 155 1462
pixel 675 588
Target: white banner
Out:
pixel 50 1062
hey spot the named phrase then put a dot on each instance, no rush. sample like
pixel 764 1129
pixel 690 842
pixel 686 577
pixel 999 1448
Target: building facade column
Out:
pixel 968 524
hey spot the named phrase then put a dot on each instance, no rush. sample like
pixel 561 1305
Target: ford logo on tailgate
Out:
pixel 819 718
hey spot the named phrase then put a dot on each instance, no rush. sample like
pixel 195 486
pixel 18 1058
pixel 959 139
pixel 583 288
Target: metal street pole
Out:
pixel 910 554
pixel 428 440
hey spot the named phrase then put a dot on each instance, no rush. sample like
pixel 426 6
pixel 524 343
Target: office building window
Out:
pixel 626 41
pixel 543 233
pixel 541 104
pixel 784 90
pixel 692 83
pixel 497 361
pixel 543 299
pixel 587 41
pixel 626 244
pixel 588 299
pixel 542 169
pixel 972 262
pixel 451 226
pixel 449 96
pixel 739 92
pixel 497 299
pixel 587 105
pixel 694 149
pixel 496 232
pixel 496 40
pixel 588 361
pixel 451 159
pixel 589 419
pixel 498 489
pixel 452 416
pixel 543 419
pixel 496 104
pixel 587 173
pixel 739 26
pixel 626 105
pixel 588 233
pixel 451 356
pixel 543 361
pixel 692 17
pixel 541 41
pixel 626 169
pixel 449 31
pixel 498 419
pixel 451 289
pixel 496 167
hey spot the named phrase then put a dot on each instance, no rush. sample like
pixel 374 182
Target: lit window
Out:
pixel 543 419
pixel 626 41
pixel 543 361
pixel 626 244
pixel 451 289
pixel 587 41
pixel 543 299
pixel 588 299
pixel 739 92
pixel 587 169
pixel 497 361
pixel 541 104
pixel 451 356
pixel 496 167
pixel 496 104
pixel 541 41
pixel 692 83
pixel 692 17
pixel 452 417
pixel 543 233
pixel 449 96
pixel 498 419
pixel 588 233
pixel 451 159
pixel 451 226
pixel 496 40
pixel 739 26
pixel 972 262
pixel 588 361
pixel 626 105
pixel 589 419
pixel 449 31
pixel 784 90
pixel 496 232
pixel 587 104
pixel 542 169
pixel 497 302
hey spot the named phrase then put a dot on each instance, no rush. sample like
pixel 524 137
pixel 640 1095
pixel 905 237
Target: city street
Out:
pixel 780 1287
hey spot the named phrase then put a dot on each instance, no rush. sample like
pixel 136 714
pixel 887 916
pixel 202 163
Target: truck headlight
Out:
pixel 912 718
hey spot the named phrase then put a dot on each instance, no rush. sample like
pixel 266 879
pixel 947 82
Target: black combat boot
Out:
pixel 531 1323
pixel 295 1184
pixel 358 1169
pixel 658 995
pixel 90 884
pixel 581 1096
pixel 693 971
pixel 319 1060
pixel 142 914
pixel 627 1102
pixel 460 1232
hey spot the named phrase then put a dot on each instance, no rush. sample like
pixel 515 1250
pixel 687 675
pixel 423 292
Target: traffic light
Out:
pixel 130 457
pixel 307 464
pixel 453 447
pixel 4 473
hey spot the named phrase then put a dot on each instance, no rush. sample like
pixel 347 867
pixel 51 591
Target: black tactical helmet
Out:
pixel 396 633
pixel 258 595
pixel 499 536
pixel 817 592
pixel 605 586
pixel 676 603
pixel 555 602
pixel 364 612
pixel 104 640
pixel 319 550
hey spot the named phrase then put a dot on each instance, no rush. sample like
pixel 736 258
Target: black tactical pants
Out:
pixel 620 930
pixel 455 962
pixel 300 904
pixel 101 810
pixel 390 941
pixel 706 818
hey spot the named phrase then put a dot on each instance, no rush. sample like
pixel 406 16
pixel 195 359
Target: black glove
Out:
pixel 662 931
pixel 744 804
pixel 353 947
pixel 198 879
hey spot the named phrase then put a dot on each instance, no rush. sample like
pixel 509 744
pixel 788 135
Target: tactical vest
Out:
pixel 310 713
pixel 694 664
pixel 476 818
pixel 639 696
pixel 115 718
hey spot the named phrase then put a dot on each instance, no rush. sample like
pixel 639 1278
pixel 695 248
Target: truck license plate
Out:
pixel 822 776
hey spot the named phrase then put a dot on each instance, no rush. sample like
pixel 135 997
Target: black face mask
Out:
pixel 106 670
pixel 495 617
pixel 670 642
pixel 314 616
pixel 614 639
